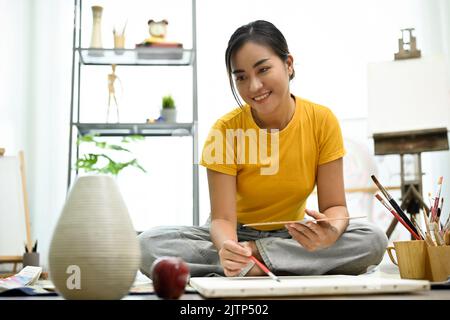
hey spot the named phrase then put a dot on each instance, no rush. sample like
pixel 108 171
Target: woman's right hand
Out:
pixel 233 257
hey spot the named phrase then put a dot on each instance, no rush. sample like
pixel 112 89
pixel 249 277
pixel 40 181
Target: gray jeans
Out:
pixel 360 246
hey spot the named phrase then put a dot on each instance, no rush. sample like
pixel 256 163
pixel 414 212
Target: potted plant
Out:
pixel 102 163
pixel 168 111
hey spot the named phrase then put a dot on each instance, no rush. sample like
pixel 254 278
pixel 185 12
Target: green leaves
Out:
pixel 168 102
pixel 102 163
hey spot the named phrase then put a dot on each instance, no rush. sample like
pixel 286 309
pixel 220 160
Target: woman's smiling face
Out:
pixel 261 77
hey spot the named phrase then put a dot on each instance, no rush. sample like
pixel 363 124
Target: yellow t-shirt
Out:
pixel 279 170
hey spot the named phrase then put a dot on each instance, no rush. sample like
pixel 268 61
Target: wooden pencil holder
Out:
pixel 412 259
pixel 417 260
pixel 439 263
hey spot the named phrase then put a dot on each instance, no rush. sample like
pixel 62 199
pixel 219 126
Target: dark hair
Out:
pixel 261 32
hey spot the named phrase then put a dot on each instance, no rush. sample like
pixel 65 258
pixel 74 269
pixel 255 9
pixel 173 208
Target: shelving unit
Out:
pixel 141 57
pixel 137 57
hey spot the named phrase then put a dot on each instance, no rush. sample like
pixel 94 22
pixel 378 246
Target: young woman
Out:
pixel 263 160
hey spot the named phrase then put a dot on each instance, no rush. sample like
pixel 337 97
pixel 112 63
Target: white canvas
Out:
pixel 410 94
pixel 222 287
pixel 12 214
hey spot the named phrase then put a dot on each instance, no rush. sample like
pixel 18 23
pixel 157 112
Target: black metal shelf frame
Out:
pixel 170 57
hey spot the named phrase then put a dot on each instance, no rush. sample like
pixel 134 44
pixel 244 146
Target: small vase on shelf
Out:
pixel 168 110
pixel 96 36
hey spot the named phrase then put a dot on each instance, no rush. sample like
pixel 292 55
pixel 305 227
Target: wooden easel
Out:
pixel 19 259
pixel 413 143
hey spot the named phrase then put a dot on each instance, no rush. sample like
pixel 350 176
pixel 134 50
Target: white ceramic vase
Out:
pixel 94 253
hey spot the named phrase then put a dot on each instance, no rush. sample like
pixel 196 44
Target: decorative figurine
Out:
pixel 407 49
pixel 157 30
pixel 158 36
pixel 112 77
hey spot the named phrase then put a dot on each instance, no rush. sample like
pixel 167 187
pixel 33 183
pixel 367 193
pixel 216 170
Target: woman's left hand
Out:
pixel 314 235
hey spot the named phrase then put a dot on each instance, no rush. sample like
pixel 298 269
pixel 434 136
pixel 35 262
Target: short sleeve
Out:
pixel 218 154
pixel 331 143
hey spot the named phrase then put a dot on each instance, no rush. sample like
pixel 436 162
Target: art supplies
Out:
pixel 264 268
pixel 397 216
pixel 34 249
pixel 434 234
pixel 394 205
pixel 28 276
pixel 411 258
pixel 439 262
pixel 419 260
pixel 233 287
pixel 300 221
pixel 417 225
pixel 447 237
pixel 434 209
pixel 15 225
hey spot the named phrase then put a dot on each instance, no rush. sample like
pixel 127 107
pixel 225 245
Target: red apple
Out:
pixel 170 276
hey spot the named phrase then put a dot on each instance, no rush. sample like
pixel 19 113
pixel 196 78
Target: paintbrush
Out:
pixel 428 238
pixel 419 229
pixel 299 221
pixel 447 237
pixel 430 202
pixel 264 268
pixel 439 211
pixel 437 236
pixel 394 204
pixel 447 223
pixel 434 210
pixel 397 216
pixel 124 27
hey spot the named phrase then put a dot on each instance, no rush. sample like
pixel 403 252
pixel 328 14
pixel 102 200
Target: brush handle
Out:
pixel 402 215
pixel 264 268
pixel 397 216
pixel 299 221
pixel 414 233
pixel 447 237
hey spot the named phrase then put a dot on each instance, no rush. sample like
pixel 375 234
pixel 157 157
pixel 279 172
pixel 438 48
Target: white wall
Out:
pixel 14 71
pixel 48 114
pixel 34 105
